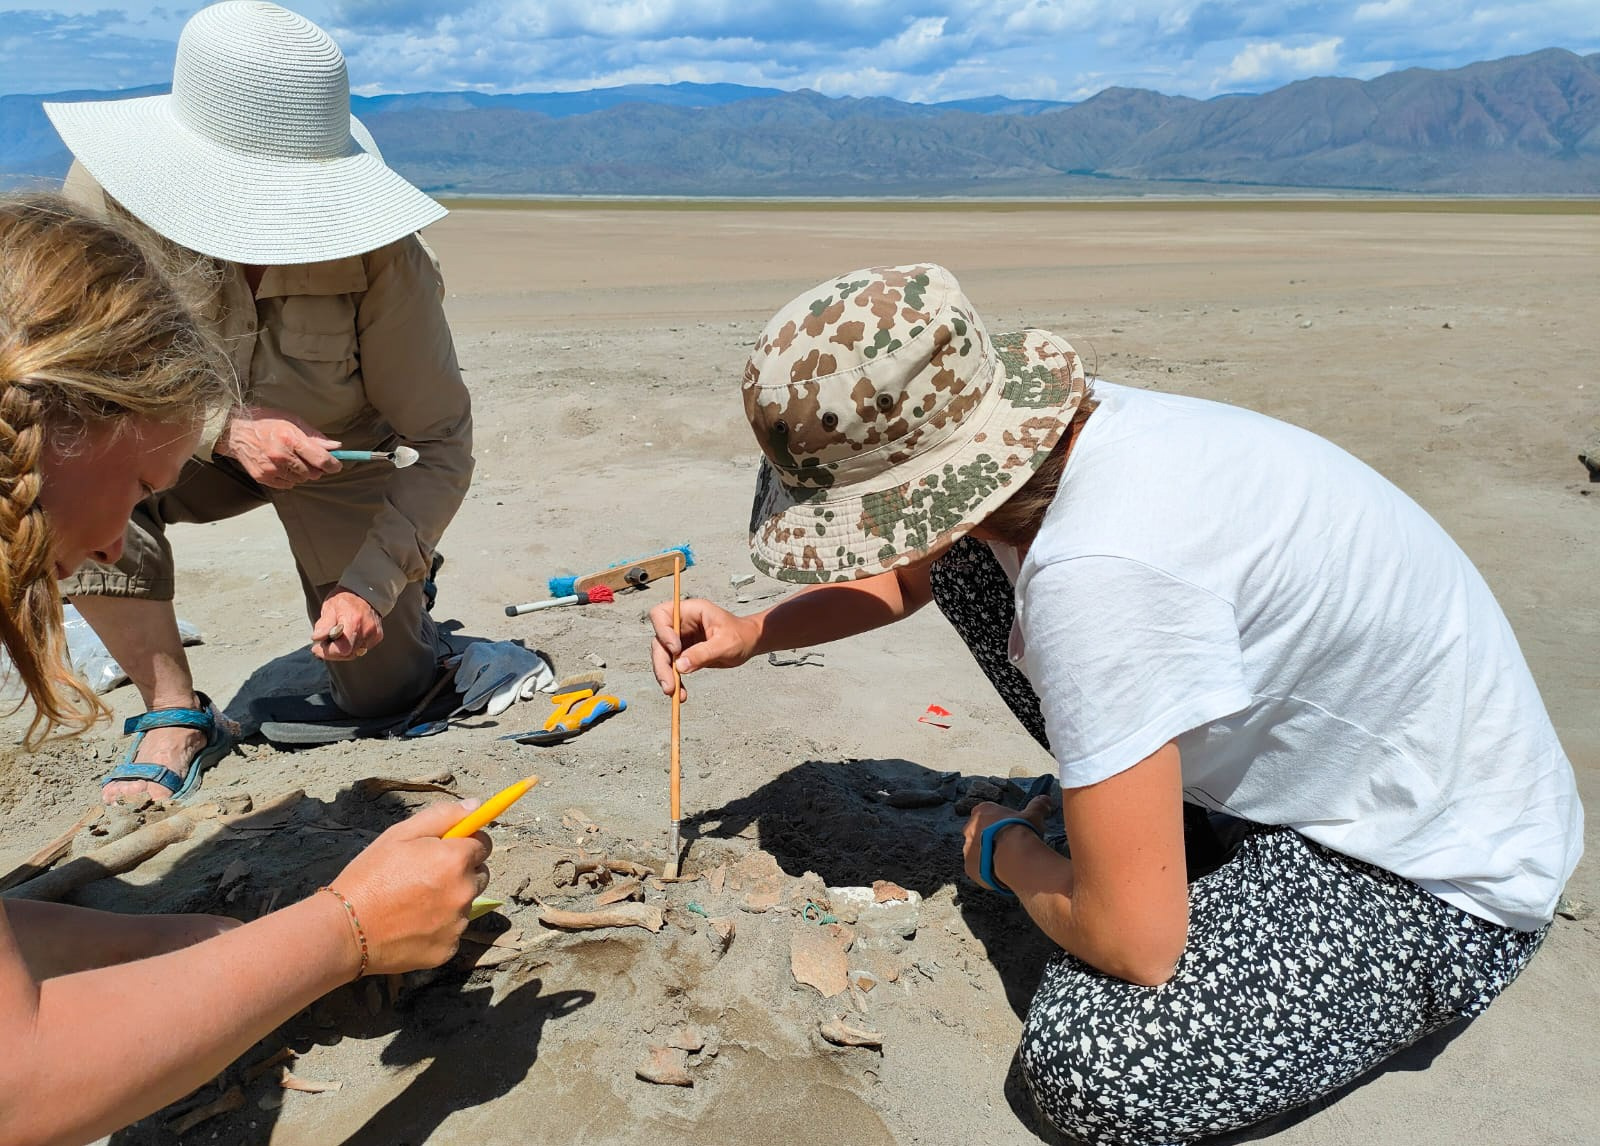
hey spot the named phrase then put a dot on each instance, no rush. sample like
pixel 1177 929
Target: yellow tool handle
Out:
pixel 492 807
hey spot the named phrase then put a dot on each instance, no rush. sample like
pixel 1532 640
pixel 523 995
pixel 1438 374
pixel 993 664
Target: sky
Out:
pixel 925 50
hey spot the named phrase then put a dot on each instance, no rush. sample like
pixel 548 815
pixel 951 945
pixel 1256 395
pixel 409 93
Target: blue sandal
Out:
pixel 219 742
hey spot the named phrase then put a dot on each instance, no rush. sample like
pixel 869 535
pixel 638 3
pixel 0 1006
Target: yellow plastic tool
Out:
pixel 491 809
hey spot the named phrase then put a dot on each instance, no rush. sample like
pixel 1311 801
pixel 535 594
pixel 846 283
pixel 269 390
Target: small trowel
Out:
pixel 401 456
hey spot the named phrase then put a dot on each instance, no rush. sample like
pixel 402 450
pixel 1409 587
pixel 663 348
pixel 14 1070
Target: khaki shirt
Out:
pixel 360 349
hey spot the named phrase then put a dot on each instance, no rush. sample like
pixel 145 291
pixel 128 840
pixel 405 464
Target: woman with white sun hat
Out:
pixel 330 308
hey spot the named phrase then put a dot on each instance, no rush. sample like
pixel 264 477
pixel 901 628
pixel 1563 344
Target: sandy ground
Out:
pixel 1455 353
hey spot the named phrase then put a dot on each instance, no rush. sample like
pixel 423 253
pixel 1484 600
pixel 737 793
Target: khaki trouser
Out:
pixel 326 522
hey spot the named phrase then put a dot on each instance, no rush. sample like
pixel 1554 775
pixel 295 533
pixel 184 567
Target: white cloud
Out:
pixel 1265 61
pixel 939 49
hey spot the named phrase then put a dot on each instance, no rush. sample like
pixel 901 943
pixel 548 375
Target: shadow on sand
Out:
pixel 444 1018
pixel 831 817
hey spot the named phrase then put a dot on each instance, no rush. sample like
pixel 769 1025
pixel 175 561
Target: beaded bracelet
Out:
pixel 355 923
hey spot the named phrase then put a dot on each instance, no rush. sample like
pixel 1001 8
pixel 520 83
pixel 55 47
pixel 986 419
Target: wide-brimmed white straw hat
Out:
pixel 254 157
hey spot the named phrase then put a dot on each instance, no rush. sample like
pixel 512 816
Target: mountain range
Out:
pixel 1524 125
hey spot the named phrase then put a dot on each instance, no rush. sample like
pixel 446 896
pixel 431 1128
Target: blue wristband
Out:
pixel 986 852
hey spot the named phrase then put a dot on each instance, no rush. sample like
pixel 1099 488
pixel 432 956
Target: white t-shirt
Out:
pixel 1323 653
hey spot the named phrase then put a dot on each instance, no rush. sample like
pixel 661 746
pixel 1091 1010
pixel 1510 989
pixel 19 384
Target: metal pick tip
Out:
pixel 404 456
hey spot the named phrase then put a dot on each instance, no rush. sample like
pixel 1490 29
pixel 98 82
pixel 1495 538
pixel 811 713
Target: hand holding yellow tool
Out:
pixel 491 808
pixel 481 817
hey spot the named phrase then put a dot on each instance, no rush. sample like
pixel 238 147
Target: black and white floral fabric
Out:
pixel 1303 970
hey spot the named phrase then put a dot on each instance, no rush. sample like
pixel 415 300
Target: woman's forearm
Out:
pixel 825 613
pixel 1046 886
pixel 90 1052
pixel 58 939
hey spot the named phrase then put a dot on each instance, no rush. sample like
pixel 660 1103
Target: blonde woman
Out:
pixel 105 385
pixel 330 310
pixel 1207 608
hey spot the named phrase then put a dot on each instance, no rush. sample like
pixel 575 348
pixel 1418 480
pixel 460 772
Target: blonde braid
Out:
pixel 93 336
pixel 30 606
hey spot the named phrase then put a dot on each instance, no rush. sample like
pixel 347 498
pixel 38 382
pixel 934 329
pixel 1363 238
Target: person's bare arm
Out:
pixel 58 939
pixel 715 638
pixel 89 1052
pixel 1121 904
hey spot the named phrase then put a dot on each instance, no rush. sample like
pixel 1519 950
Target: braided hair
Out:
pixel 93 334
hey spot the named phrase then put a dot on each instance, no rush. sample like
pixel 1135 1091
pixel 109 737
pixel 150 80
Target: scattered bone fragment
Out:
pixel 268 817
pixel 374 786
pixel 761 900
pixel 842 1034
pixel 482 958
pixel 842 934
pixel 268 1065
pixel 863 980
pixel 816 960
pixel 628 867
pixel 232 1099
pixel 512 938
pixel 575 821
pixel 643 915
pixel 41 860
pixel 666 1066
pixel 687 1039
pixel 915 798
pixel 290 1081
pixel 623 889
pixel 232 874
pixel 120 855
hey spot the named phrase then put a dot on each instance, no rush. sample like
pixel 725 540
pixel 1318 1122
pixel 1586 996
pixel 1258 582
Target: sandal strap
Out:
pixel 202 718
pixel 155 773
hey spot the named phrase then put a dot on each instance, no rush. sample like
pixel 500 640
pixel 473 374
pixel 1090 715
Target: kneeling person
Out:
pixel 331 310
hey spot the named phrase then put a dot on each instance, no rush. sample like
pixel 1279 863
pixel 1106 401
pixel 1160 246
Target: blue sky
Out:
pixel 1049 49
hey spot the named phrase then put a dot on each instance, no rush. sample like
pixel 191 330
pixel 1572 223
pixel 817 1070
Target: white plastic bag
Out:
pixel 88 655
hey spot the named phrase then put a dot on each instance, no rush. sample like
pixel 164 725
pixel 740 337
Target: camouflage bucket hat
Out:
pixel 892 422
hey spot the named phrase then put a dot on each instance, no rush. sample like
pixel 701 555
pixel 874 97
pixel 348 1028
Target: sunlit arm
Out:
pixel 1121 904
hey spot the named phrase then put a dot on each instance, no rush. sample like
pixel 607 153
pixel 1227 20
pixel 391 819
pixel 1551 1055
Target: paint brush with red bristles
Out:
pixel 599 595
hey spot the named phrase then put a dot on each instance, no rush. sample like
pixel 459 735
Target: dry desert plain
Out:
pixel 1452 348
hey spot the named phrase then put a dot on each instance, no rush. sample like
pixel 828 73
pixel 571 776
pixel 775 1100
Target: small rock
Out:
pixel 884 891
pixel 1449 326
pixel 596 660
pixel 878 918
pixel 863 980
pixel 1574 909
pixel 723 927
pixel 985 789
pixel 1306 325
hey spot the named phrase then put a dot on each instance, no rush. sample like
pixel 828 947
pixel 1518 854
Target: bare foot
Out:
pixel 173 748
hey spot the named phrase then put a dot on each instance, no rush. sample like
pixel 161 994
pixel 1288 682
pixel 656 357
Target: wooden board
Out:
pixel 616 578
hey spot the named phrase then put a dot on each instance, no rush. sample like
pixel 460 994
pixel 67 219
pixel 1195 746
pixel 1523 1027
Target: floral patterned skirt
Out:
pixel 1303 970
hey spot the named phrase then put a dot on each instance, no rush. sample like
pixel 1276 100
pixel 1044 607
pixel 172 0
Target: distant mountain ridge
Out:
pixel 1524 125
